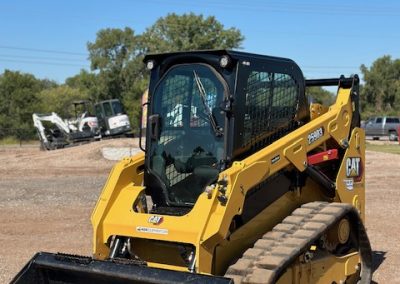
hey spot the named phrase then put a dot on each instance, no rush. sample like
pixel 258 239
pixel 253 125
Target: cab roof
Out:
pixel 238 55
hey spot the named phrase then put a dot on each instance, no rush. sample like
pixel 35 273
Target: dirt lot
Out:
pixel 46 199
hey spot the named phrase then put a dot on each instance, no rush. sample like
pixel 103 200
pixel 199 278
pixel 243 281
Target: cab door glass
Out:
pixel 107 110
pixel 186 152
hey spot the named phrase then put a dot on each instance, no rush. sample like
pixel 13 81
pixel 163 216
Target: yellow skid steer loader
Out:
pixel 241 181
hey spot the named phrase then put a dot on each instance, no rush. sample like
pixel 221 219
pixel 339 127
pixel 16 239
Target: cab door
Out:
pixel 373 126
pixel 100 117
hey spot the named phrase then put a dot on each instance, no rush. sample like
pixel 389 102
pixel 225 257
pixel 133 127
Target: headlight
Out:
pixel 224 61
pixel 150 64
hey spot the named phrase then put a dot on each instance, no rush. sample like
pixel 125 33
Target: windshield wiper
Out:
pixel 202 93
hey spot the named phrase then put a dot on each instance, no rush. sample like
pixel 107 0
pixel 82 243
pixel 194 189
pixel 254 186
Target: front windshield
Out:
pixel 187 152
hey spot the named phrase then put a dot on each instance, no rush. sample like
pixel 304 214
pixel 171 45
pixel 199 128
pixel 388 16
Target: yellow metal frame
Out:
pixel 206 226
pixel 325 269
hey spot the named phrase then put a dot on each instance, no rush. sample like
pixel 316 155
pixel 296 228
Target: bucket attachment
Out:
pixel 61 268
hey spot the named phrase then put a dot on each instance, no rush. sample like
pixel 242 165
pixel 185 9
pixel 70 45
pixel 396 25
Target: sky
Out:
pixel 48 38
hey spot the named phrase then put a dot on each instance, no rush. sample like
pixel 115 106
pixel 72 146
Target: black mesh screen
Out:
pixel 173 175
pixel 173 102
pixel 198 108
pixel 271 105
pixel 178 90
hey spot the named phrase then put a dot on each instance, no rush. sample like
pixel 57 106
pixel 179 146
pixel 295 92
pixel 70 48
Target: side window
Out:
pixel 285 90
pixel 378 120
pixel 98 111
pixel 392 120
pixel 270 106
pixel 107 109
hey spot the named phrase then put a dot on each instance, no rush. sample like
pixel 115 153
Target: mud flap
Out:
pixel 60 268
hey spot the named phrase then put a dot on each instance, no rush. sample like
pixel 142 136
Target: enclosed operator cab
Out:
pixel 208 109
pixel 112 118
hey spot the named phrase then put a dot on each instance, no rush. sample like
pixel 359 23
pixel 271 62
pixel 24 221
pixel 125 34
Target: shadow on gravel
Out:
pixel 377 258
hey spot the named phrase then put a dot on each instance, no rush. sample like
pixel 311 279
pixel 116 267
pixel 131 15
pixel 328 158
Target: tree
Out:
pixel 18 100
pixel 109 55
pixel 381 91
pixel 189 32
pixel 87 83
pixel 320 95
pixel 60 99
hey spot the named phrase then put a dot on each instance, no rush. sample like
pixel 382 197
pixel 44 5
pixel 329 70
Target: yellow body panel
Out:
pixel 323 269
pixel 354 191
pixel 206 226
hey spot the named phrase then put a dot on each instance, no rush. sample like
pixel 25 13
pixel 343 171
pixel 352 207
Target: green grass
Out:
pixel 9 141
pixel 388 148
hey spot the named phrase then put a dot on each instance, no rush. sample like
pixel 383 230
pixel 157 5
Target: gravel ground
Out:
pixel 46 199
pixel 382 210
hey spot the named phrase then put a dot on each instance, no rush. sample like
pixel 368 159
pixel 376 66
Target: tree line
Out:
pixel 117 71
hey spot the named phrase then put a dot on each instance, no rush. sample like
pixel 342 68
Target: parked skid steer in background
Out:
pixel 241 181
